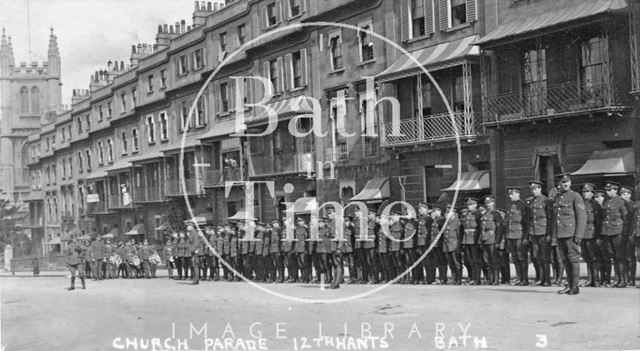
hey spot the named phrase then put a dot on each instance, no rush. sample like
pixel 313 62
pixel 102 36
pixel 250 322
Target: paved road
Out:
pixel 39 314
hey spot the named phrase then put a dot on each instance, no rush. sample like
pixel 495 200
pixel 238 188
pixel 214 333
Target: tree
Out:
pixel 174 214
pixel 10 231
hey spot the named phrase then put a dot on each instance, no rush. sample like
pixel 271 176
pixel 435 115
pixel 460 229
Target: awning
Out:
pixel 55 241
pixel 376 189
pixel 97 174
pixel 220 129
pixel 241 215
pixel 282 108
pixel 108 236
pixel 609 162
pixel 147 156
pixel 120 165
pixel 162 227
pixel 201 219
pixel 177 145
pixel 304 205
pixel 114 231
pixel 433 58
pixel 85 237
pixel 561 14
pixel 470 181
pixel 137 229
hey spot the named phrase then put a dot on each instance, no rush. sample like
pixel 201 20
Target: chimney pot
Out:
pixel 165 28
pixel 196 4
pixel 159 28
pixel 209 6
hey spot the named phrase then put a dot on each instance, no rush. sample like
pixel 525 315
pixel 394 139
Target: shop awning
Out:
pixel 201 219
pixel 97 174
pixel 177 145
pixel 282 108
pixel 137 229
pixel 376 189
pixel 304 205
pixel 470 181
pixel 609 162
pixel 54 241
pixel 241 215
pixel 433 58
pixel 562 14
pixel 220 129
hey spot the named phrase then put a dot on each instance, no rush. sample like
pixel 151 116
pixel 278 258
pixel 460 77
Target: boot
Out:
pixel 518 267
pixel 83 285
pixel 568 286
pixel 524 270
pixel 546 274
pixel 632 273
pixel 574 278
pixel 73 283
pixel 597 276
pixel 477 275
pixel 459 276
pixel 622 279
pixel 443 274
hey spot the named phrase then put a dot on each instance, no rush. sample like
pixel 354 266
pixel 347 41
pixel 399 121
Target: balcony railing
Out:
pixel 148 194
pixel 546 102
pixel 431 128
pixel 219 177
pixel 193 187
pixel 282 164
pixel 97 207
pixel 117 201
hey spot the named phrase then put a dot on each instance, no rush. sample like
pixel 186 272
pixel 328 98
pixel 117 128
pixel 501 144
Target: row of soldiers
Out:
pixel 103 260
pixel 550 231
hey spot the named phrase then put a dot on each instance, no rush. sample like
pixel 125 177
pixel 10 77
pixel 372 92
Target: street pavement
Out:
pixel 140 314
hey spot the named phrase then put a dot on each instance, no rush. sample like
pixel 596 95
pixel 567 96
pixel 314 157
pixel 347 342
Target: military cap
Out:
pixel 472 200
pixel 489 198
pixel 599 192
pixel 588 187
pixel 299 219
pixel 422 204
pixel 536 183
pixel 611 185
pixel 564 177
pixel 626 189
pixel 440 207
pixel 511 189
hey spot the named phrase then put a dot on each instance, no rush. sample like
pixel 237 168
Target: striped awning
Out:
pixel 470 181
pixel 376 189
pixel 609 162
pixel 433 58
pixel 563 13
pixel 283 108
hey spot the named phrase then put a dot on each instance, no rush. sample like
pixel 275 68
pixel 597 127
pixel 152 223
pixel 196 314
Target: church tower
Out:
pixel 28 93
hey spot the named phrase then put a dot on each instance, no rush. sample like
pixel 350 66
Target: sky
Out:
pixel 90 32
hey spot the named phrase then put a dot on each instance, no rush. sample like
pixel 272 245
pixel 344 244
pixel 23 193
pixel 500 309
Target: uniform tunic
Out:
pixel 424 226
pixel 471 227
pixel 516 221
pixel 593 212
pixel 396 232
pixel 540 210
pixel 450 241
pixel 570 216
pixel 409 235
pixel 490 224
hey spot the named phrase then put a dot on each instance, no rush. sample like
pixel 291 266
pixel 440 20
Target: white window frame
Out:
pixel 363 24
pixel 290 9
pixel 183 70
pixel 151 129
pixel 136 142
pixel 100 153
pixel 163 79
pixel 134 98
pixel 150 83
pixel 164 126
pixel 201 118
pixel 185 122
pixel 123 142
pixel 88 154
pixel 80 162
pixel 335 34
pixel 110 150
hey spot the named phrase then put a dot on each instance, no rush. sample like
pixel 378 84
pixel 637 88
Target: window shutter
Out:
pixel 428 17
pixel 289 76
pixel 304 67
pixel 472 10
pixel 279 11
pixel 267 74
pixel 404 19
pixel 281 76
pixel 231 87
pixel 444 14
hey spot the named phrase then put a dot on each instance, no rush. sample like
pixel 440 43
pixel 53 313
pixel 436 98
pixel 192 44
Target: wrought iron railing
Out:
pixel 543 102
pixel 219 176
pixel 193 186
pixel 431 128
pixel 282 164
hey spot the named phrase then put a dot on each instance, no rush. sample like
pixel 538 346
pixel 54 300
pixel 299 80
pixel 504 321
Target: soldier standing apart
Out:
pixel 145 252
pixel 472 252
pixel 517 235
pixel 301 234
pixel 540 211
pixel 589 247
pixel 197 252
pixel 628 237
pixel 75 264
pixel 570 220
pixel 36 266
pixel 614 212
pixel 490 236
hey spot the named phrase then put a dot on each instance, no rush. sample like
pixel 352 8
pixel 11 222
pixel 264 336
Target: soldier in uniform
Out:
pixel 207 257
pixel 540 210
pixel 234 247
pixel 396 231
pixel 629 247
pixel 244 245
pixel 168 254
pixel 614 212
pixel 287 248
pixel 570 220
pixel 516 226
pixel 490 237
pixel 145 252
pixel 275 252
pixel 369 249
pixel 96 253
pixel 471 231
pixel 196 250
pixel 605 264
pixel 451 244
pixel 337 246
pixel 360 253
pixel 422 243
pixel 409 247
pixel 301 233
pixel 589 247
pixel 634 237
pixel 382 248
pixel 107 265
pixel 263 259
pixel 347 247
pixel 323 250
pixel 439 258
pixel 224 243
pixel 74 264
